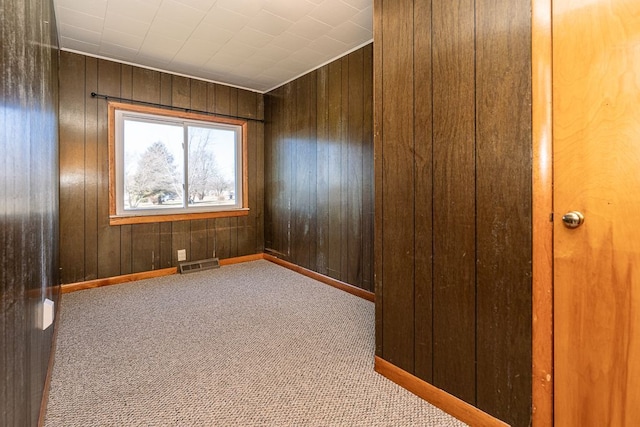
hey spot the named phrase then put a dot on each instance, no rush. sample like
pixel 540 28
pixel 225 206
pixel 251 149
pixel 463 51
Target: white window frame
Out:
pixel 118 112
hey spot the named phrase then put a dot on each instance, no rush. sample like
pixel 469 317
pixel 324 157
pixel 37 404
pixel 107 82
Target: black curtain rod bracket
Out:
pixel 170 107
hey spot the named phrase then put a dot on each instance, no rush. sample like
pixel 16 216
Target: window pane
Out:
pixel 212 166
pixel 153 165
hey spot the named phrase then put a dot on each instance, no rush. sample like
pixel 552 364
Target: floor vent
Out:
pixel 203 264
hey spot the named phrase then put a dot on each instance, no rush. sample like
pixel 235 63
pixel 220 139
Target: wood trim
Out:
pixel 354 290
pixel 125 278
pixel 542 325
pixel 111 147
pixel 241 259
pixel 455 407
pixel 175 113
pixel 72 287
pixel 52 352
pixel 115 219
pixel 146 219
pixel 245 165
pixel 97 283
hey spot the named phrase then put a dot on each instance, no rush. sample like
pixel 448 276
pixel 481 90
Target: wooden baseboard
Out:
pixel 52 353
pixel 354 290
pixel 72 287
pixel 240 259
pixel 115 280
pixel 455 407
pixel 125 278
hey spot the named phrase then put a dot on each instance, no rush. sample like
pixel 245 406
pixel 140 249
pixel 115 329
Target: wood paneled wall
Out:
pixel 453 197
pixel 319 170
pixel 90 247
pixel 28 203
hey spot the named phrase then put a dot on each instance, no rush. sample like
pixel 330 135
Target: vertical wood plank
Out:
pixel 301 170
pixel 285 157
pixel 454 198
pixel 72 205
pixel 112 254
pixel 354 137
pixel 367 172
pixel 259 180
pixel 322 175
pixel 145 246
pixel 397 186
pixel 334 132
pixel 245 228
pixel 344 167
pixel 423 164
pixel 166 245
pixel 91 171
pixel 180 239
pixel 378 151
pixel 126 253
pixel 503 133
pixel 270 171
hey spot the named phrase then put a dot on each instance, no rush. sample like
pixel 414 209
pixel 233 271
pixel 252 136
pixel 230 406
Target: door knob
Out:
pixel 573 219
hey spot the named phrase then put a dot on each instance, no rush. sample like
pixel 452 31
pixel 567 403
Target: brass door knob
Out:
pixel 573 219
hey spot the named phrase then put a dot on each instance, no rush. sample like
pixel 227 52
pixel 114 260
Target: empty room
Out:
pixel 320 212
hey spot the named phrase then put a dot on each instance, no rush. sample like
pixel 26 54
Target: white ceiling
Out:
pixel 252 44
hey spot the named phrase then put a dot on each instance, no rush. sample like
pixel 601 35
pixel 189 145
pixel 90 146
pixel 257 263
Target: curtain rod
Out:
pixel 186 110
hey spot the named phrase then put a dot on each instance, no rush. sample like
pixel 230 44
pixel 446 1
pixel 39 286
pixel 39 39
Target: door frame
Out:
pixel 542 211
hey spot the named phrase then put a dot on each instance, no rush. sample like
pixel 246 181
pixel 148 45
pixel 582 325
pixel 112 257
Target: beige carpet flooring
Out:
pixel 251 344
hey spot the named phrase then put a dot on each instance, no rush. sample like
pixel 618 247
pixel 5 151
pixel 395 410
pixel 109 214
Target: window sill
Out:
pixel 145 219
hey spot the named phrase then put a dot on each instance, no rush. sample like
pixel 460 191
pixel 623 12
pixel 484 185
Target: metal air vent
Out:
pixel 203 264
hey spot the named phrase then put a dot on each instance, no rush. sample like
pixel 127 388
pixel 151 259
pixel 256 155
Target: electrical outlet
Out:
pixel 182 254
pixel 47 313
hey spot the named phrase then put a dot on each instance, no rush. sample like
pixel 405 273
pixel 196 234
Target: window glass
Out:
pixel 174 163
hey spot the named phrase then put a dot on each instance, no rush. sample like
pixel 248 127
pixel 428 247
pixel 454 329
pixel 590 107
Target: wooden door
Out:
pixel 596 109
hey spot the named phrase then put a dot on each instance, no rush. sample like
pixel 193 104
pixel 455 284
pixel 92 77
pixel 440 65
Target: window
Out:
pixel 167 165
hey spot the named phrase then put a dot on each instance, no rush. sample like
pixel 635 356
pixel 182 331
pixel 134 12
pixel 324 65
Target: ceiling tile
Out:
pixel 358 4
pixel 83 34
pixel 139 9
pixel 116 51
pixel 221 18
pixel 289 10
pixel 364 18
pixel 125 24
pixel 269 23
pixel 334 15
pixel 253 37
pixel 259 44
pixel 201 5
pixel 178 13
pixel 94 7
pixel 165 27
pixel 200 50
pixel 74 18
pixel 122 39
pixel 290 41
pixel 350 31
pixel 328 45
pixel 79 46
pixel 160 47
pixel 309 28
pixel 248 8
pixel 210 32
